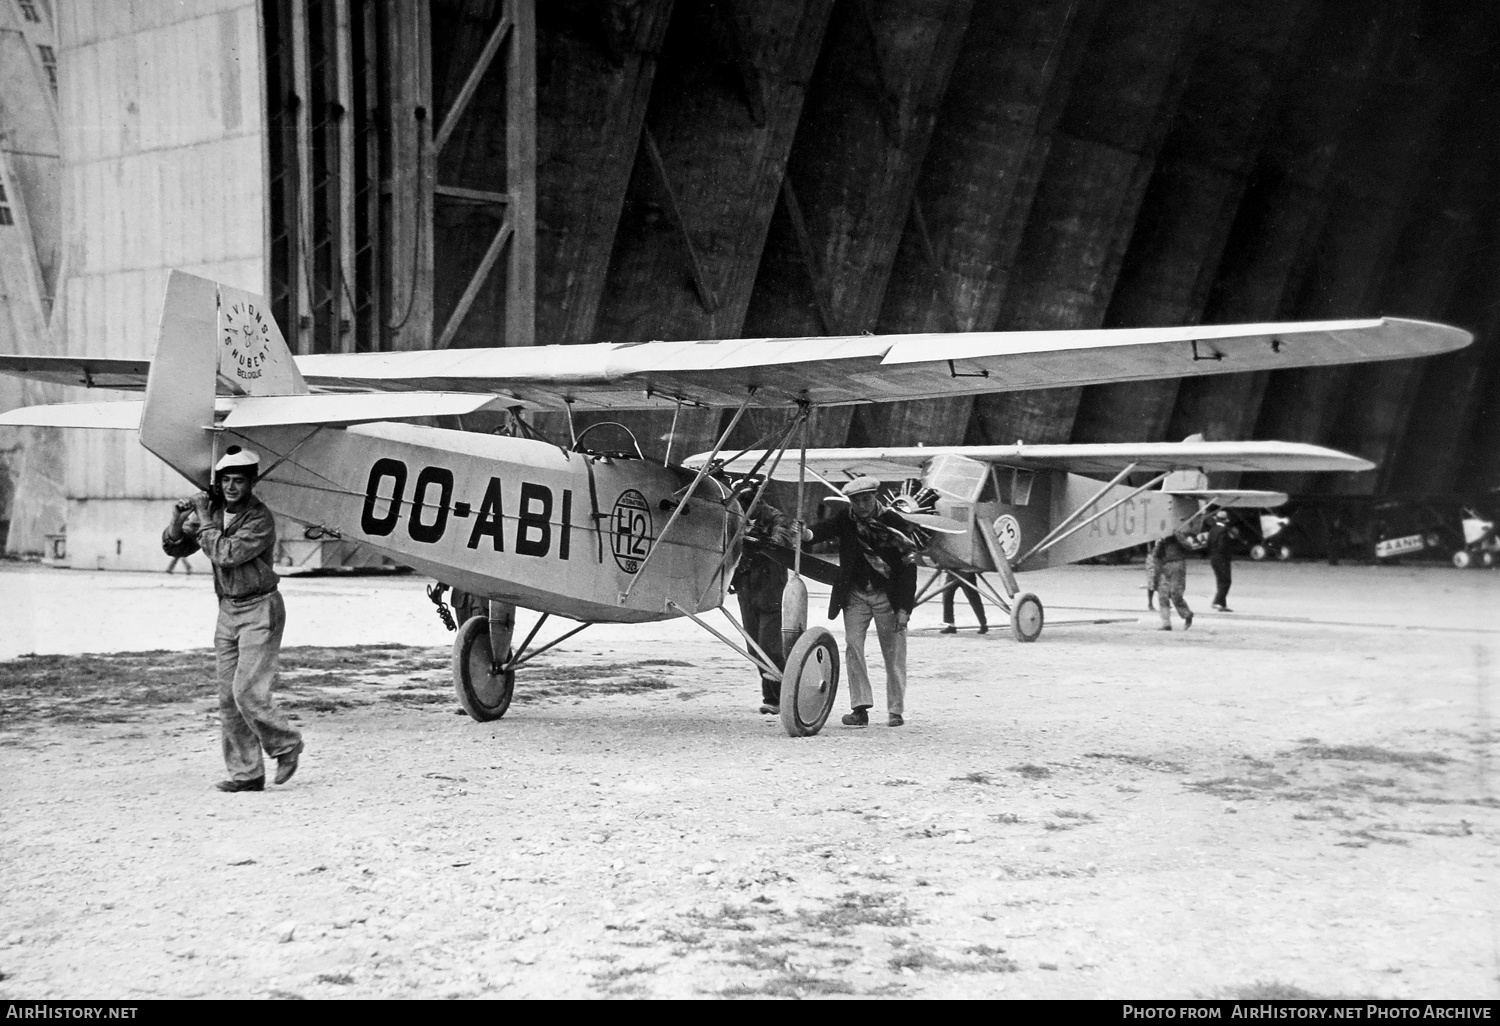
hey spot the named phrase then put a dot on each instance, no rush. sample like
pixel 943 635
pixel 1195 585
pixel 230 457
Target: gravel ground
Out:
pixel 1296 799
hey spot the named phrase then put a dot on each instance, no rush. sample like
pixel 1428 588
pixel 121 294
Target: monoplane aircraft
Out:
pixel 1004 509
pixel 568 530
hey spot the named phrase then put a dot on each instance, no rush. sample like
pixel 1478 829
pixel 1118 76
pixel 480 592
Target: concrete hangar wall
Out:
pixel 400 175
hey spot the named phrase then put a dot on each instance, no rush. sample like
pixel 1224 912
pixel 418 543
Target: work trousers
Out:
pixel 1221 579
pixel 1171 582
pixel 763 623
pixel 862 607
pixel 247 644
pixel 966 582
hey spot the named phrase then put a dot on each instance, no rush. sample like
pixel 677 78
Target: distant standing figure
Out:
pixel 758 583
pixel 877 582
pixel 186 564
pixel 1171 561
pixel 1152 573
pixel 965 580
pixel 237 534
pixel 1221 538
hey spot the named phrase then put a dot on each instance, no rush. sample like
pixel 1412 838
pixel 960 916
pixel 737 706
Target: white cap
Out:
pixel 860 485
pixel 234 457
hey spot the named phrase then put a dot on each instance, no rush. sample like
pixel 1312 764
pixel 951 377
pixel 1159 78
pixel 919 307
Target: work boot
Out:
pixel 948 628
pixel 984 628
pixel 895 720
pixel 858 718
pixel 1165 627
pixel 1187 620
pixel 286 764
pixel 770 709
pixel 258 784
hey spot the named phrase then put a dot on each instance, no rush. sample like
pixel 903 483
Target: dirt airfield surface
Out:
pixel 1297 799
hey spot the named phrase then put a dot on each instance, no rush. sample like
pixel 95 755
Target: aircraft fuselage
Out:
pixel 509 518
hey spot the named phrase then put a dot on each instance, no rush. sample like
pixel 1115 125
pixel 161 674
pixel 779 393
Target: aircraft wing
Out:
pixel 1106 458
pixel 871 368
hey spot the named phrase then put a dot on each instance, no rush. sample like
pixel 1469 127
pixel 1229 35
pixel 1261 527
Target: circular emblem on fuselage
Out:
pixel 630 534
pixel 1008 534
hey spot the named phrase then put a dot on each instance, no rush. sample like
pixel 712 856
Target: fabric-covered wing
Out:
pixel 83 371
pixel 871 368
pixel 1106 458
pixel 120 415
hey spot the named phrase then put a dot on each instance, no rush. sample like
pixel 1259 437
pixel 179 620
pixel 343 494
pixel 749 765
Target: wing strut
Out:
pixel 780 451
pixel 703 471
pixel 1051 535
pixel 1049 541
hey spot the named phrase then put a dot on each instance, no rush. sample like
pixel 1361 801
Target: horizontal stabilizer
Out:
pixel 80 371
pixel 243 412
pixel 351 408
pixel 1227 497
pixel 1107 458
pixel 119 416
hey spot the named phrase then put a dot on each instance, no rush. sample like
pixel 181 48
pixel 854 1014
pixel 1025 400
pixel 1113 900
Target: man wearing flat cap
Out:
pixel 237 534
pixel 877 582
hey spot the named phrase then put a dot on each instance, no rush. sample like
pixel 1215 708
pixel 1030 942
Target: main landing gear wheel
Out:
pixel 810 682
pixel 1463 559
pixel 484 694
pixel 1026 617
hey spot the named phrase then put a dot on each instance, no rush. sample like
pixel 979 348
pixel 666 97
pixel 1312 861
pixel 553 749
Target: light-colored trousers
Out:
pixel 861 608
pixel 247 644
pixel 1171 583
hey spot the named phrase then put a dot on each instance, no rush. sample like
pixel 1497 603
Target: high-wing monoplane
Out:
pixel 1004 509
pixel 570 530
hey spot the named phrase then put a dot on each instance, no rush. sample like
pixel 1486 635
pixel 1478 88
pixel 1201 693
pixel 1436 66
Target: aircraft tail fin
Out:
pixel 212 339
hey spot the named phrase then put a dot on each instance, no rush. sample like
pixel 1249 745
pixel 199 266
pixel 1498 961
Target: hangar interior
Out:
pixel 470 173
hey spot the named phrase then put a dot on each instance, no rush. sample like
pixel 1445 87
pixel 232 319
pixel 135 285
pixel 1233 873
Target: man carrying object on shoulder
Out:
pixel 237 534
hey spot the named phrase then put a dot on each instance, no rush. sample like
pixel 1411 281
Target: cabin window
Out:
pixel 5 217
pixel 28 10
pixel 957 477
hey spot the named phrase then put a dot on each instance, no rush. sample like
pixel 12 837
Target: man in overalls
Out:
pixel 237 534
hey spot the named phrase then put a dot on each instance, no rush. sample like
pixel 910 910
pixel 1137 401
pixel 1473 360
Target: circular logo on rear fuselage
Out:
pixel 1008 534
pixel 630 530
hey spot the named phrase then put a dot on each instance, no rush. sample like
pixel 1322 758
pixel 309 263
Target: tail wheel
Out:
pixel 1283 553
pixel 1463 559
pixel 1488 559
pixel 484 694
pixel 1026 617
pixel 810 682
pixel 1259 552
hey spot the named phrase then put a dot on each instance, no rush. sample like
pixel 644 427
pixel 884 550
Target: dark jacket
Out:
pixel 1221 539
pixel 1171 549
pixel 758 577
pixel 242 551
pixel 854 572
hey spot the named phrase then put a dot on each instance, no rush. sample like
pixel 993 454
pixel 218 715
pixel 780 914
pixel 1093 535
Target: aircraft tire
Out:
pixel 1026 617
pixel 1283 553
pixel 1463 559
pixel 810 682
pixel 484 695
pixel 1258 552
